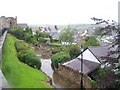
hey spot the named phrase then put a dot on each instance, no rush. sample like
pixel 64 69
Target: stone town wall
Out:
pixel 3 81
pixel 2 39
pixel 7 22
pixel 73 75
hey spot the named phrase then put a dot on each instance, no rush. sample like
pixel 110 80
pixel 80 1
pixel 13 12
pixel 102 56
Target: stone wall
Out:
pixel 3 81
pixel 2 39
pixel 7 22
pixel 73 75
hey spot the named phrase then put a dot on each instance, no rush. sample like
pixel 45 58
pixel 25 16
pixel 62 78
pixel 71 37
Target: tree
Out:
pixel 97 30
pixel 107 29
pixel 59 58
pixel 42 40
pixel 91 41
pixel 18 32
pixel 74 51
pixel 28 30
pixel 67 35
pixel 56 28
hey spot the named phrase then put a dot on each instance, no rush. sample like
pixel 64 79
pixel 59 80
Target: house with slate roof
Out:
pixel 93 58
pixel 90 62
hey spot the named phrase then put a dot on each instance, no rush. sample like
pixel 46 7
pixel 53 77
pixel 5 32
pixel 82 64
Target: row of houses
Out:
pixel 55 33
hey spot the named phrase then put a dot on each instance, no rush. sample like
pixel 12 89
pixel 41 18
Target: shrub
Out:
pixel 31 59
pixel 91 41
pixel 59 58
pixel 92 83
pixel 59 49
pixel 44 35
pixel 27 55
pixel 41 40
pixel 21 45
pixel 55 50
pixel 17 32
pixel 101 72
pixel 74 51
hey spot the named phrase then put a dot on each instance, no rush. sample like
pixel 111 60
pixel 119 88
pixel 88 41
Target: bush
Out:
pixel 17 32
pixel 59 58
pixel 21 45
pixel 31 59
pixel 41 40
pixel 44 35
pixel 92 83
pixel 27 55
pixel 101 72
pixel 59 49
pixel 91 41
pixel 55 50
pixel 74 51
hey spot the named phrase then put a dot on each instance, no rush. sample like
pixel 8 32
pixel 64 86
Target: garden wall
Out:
pixel 73 75
pixel 3 81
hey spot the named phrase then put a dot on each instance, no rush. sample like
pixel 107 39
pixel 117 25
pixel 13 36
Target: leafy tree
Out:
pixel 56 27
pixel 28 30
pixel 59 58
pixel 74 51
pixel 107 29
pixel 67 35
pixel 44 35
pixel 18 32
pixel 41 40
pixel 91 41
pixel 97 30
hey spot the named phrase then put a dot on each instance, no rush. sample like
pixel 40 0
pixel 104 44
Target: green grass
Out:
pixel 55 43
pixel 18 74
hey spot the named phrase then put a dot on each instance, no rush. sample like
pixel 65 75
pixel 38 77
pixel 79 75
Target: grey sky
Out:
pixel 59 11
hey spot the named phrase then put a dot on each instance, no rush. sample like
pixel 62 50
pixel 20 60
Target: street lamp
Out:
pixel 81 51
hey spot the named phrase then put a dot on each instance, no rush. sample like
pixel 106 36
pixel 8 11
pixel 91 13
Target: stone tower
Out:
pixel 7 22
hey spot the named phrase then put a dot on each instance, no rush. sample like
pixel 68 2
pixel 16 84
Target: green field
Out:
pixel 18 74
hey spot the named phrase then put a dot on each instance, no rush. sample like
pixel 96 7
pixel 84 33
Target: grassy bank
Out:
pixel 18 74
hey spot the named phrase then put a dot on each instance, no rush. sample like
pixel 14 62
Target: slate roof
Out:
pixel 90 62
pixel 88 66
pixel 55 35
pixel 102 51
pixel 91 59
pixel 23 25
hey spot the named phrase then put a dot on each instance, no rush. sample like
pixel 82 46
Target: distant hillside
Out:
pixel 75 26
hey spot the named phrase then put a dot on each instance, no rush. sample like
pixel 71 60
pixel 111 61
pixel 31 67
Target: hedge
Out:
pixel 27 55
pixel 59 58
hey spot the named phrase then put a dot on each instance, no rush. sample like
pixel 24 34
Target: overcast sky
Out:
pixel 59 11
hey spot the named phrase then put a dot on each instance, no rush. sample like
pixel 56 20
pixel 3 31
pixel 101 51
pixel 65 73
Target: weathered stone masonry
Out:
pixel 7 22
pixel 73 75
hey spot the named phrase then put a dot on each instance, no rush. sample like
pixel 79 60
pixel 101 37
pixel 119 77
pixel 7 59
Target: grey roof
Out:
pixel 102 51
pixel 23 25
pixel 88 66
pixel 55 35
pixel 99 50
